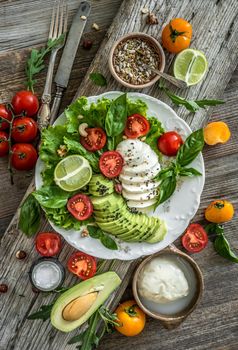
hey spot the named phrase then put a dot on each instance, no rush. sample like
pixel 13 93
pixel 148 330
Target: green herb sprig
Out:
pixel 35 63
pixel 221 244
pixel 106 240
pixel 190 105
pixel 192 146
pixel 98 79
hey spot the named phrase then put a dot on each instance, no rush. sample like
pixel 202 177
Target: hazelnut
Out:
pixel 3 288
pixel 85 233
pixel 20 254
pixel 87 44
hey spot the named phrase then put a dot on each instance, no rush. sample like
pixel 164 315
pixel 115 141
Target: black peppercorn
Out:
pixel 3 288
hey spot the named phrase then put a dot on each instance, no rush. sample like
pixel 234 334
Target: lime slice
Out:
pixel 190 66
pixel 72 173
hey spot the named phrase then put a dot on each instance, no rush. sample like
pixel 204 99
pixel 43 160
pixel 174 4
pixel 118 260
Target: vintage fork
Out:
pixel 58 27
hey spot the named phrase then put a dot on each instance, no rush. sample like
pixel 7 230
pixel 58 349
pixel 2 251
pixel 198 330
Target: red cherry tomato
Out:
pixel 24 156
pixel 24 129
pixel 169 143
pixel 195 238
pixel 48 243
pixel 82 265
pixel 80 206
pixel 95 140
pixel 4 114
pixel 25 102
pixel 110 164
pixel 136 126
pixel 4 145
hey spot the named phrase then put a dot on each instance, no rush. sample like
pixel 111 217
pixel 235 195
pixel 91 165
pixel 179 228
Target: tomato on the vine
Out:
pixel 195 238
pixel 24 129
pixel 136 126
pixel 48 243
pixel 24 156
pixel 80 206
pixel 4 114
pixel 95 140
pixel 82 265
pixel 25 102
pixel 4 145
pixel 169 143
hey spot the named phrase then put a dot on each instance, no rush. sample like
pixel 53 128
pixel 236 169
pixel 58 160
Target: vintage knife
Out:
pixel 68 55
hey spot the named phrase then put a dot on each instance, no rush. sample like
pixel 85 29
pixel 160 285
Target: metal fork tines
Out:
pixel 58 28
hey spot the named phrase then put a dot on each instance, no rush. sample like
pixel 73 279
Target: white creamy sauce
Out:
pixel 167 284
pixel 46 275
pixel 141 165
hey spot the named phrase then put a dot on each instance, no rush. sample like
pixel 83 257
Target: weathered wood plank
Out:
pixel 21 331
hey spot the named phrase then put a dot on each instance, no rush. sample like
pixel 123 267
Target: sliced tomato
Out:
pixel 195 238
pixel 80 206
pixel 169 143
pixel 95 140
pixel 110 164
pixel 48 243
pixel 136 126
pixel 82 265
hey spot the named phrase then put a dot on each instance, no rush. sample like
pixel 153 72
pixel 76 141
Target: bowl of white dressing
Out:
pixel 168 285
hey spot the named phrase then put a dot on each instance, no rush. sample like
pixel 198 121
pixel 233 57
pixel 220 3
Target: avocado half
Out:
pixel 100 286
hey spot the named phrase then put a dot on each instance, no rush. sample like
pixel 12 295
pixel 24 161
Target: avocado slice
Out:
pixel 92 292
pixel 158 234
pixel 100 186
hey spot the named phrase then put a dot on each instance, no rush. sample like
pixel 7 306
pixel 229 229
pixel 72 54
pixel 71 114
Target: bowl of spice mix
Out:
pixel 133 58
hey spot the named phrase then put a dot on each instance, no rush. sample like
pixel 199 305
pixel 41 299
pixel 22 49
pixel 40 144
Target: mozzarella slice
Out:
pixel 142 170
pixel 145 196
pixel 139 187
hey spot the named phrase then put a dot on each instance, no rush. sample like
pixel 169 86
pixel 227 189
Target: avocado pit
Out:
pixel 79 306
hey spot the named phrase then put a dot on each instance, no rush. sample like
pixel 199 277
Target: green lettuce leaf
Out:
pixel 51 196
pixel 156 130
pixel 136 106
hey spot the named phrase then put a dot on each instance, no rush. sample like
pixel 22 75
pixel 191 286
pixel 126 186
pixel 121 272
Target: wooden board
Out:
pixel 22 334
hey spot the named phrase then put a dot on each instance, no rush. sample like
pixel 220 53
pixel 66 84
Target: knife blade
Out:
pixel 67 59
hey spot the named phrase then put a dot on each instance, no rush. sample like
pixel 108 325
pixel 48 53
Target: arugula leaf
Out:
pixel 98 79
pixel 189 172
pixel 76 339
pixel 43 314
pixel 76 147
pixel 166 189
pixel 192 146
pixel 156 130
pixel 30 215
pixel 106 240
pixel 116 116
pixel 51 196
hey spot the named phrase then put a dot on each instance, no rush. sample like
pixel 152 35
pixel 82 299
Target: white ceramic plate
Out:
pixel 177 212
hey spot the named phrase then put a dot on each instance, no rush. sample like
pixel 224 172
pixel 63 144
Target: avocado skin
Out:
pixel 113 216
pixel 109 280
pixel 100 186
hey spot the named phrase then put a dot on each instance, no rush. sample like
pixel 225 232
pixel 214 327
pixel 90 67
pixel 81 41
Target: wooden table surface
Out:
pixel 214 325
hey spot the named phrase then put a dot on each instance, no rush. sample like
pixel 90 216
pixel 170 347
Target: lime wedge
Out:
pixel 72 173
pixel 190 66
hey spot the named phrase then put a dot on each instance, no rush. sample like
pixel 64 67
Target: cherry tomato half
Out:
pixel 95 140
pixel 136 126
pixel 110 164
pixel 4 145
pixel 169 143
pixel 4 114
pixel 25 102
pixel 82 265
pixel 195 238
pixel 80 206
pixel 48 243
pixel 24 129
pixel 24 156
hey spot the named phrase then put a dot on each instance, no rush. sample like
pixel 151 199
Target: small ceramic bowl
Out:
pixel 171 321
pixel 158 49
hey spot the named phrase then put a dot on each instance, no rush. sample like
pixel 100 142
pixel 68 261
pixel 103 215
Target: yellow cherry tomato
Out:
pixel 130 318
pixel 176 36
pixel 216 132
pixel 219 211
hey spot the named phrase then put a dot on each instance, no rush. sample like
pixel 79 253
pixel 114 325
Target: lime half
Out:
pixel 190 66
pixel 72 173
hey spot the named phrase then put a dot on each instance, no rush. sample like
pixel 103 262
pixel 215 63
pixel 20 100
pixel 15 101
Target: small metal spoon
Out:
pixel 177 82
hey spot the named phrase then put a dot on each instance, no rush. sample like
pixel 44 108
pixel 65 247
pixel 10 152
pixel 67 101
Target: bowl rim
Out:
pixel 200 286
pixel 148 38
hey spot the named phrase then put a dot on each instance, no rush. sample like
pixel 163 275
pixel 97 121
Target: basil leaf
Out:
pixel 189 172
pixel 164 173
pixel 214 228
pixel 94 231
pixel 43 314
pixel 116 116
pixel 30 214
pixel 108 242
pixel 51 197
pixel 98 79
pixel 223 248
pixel 167 188
pixel 192 146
